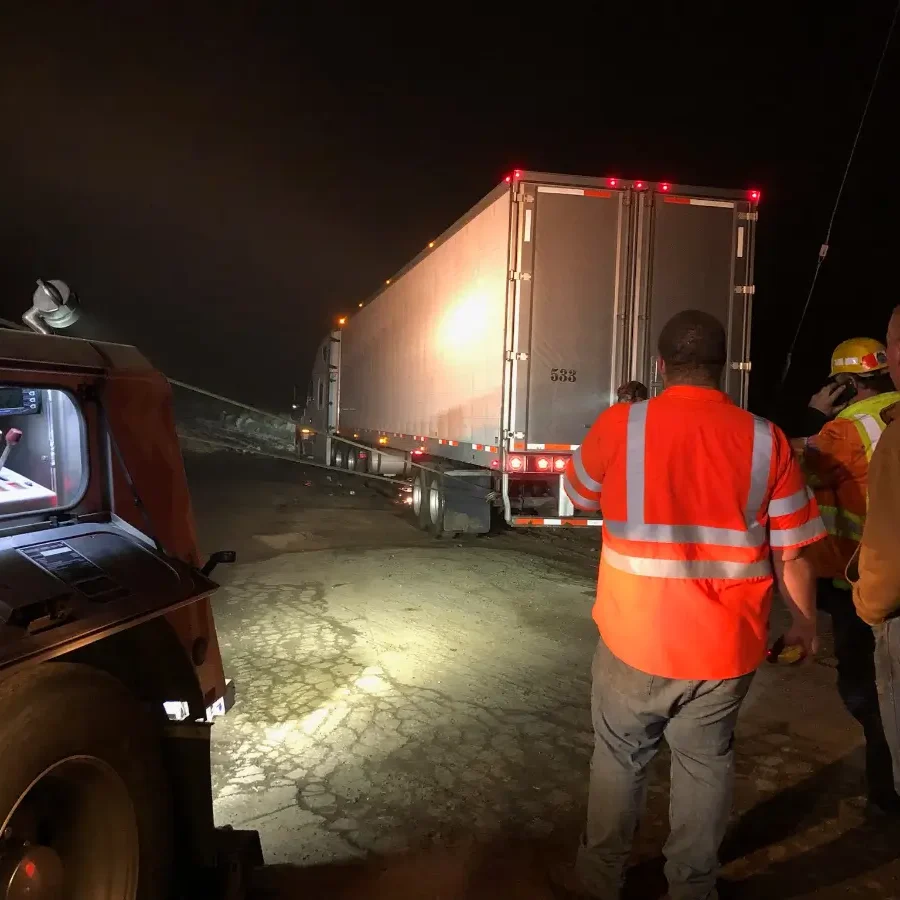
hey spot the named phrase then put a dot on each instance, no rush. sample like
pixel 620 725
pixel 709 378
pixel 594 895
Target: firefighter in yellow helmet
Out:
pixel 836 462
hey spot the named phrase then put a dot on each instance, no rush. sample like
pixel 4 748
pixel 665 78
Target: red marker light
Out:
pixel 612 182
pixel 30 869
pixel 639 185
pixel 665 187
pixel 754 196
pixel 508 179
pixel 517 173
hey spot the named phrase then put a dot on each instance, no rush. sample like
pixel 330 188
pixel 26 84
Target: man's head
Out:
pixel 693 349
pixel 632 392
pixel 893 347
pixel 863 363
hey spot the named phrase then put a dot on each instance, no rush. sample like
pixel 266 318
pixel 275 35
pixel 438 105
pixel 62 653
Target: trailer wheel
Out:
pixel 351 459
pixel 420 499
pixel 435 501
pixel 84 801
pixel 338 455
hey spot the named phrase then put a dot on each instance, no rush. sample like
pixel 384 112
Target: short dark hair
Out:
pixel 881 382
pixel 694 348
pixel 632 392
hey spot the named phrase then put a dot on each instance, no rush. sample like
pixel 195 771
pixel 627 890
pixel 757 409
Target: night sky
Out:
pixel 218 185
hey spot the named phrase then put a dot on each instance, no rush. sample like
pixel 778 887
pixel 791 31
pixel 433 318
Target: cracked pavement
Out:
pixel 412 716
pixel 379 722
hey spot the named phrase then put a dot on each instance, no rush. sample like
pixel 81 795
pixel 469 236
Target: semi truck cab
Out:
pixel 110 672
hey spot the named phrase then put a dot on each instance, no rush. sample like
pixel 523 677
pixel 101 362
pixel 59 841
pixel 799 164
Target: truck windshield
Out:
pixel 42 450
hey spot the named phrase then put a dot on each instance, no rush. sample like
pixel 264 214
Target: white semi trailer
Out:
pixel 486 359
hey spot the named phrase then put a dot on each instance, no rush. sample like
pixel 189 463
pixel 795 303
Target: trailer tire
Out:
pixel 434 502
pixel 83 793
pixel 420 499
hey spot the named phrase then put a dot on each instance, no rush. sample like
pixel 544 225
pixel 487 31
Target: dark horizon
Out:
pixel 219 185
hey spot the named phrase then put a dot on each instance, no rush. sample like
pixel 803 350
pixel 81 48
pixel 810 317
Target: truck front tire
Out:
pixel 84 798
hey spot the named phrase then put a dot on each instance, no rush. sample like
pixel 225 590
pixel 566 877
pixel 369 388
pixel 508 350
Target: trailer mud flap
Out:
pixel 466 506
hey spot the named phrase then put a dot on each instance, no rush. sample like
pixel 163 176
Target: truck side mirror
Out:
pixel 220 556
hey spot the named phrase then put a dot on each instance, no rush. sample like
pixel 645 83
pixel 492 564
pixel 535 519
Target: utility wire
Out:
pixel 823 250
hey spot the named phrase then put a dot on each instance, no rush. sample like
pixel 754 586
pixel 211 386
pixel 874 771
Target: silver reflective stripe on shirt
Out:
pixel 872 429
pixel 761 463
pixel 791 504
pixel 635 443
pixel 685 568
pixel 787 537
pixel 580 501
pixel 587 482
pixel 636 529
pixel 688 534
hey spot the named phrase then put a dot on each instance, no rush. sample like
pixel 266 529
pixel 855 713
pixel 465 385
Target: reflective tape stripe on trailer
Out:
pixel 422 439
pixel 694 201
pixel 567 522
pixel 559 448
pixel 575 192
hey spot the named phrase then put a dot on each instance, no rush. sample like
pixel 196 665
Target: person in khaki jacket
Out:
pixel 874 570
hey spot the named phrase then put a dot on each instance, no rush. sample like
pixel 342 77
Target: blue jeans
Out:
pixel 887 679
pixel 632 712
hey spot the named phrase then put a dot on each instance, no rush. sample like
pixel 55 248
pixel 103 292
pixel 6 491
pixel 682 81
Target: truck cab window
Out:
pixel 42 450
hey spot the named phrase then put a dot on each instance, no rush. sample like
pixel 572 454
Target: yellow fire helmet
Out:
pixel 859 356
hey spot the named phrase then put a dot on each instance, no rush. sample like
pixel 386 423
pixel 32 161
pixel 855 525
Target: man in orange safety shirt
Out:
pixel 701 502
pixel 836 464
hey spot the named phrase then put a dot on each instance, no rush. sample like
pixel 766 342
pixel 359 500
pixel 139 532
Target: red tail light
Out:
pixel 560 463
pixel 543 463
pixel 515 463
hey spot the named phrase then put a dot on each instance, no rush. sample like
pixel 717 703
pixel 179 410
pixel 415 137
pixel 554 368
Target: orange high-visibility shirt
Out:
pixel 695 492
pixel 838 469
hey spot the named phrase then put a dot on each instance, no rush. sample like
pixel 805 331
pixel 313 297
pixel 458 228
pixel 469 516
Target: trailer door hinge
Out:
pixel 742 366
pixel 745 288
pixel 512 355
pixel 520 276
pixel 749 216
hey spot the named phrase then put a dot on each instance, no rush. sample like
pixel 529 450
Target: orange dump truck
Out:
pixel 110 673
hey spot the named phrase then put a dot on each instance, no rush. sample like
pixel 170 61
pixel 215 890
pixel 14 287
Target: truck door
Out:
pixel 574 250
pixel 693 253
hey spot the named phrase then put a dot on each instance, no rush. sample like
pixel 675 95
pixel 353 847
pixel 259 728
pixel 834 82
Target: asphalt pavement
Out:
pixel 412 716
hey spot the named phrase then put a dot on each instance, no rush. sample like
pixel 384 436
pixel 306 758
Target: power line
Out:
pixel 823 250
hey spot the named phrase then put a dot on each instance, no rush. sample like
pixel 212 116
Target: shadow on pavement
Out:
pixel 467 870
pixel 800 848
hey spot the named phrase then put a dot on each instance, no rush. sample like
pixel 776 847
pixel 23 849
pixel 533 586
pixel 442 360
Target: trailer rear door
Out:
pixel 693 253
pixel 572 242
